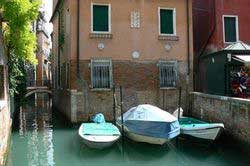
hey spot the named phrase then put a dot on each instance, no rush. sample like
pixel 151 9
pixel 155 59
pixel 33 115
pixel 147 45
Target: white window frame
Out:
pixel 159 21
pixel 92 26
pixel 237 28
pixel 110 70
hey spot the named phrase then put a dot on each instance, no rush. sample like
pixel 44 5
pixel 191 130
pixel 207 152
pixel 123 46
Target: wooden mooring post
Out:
pixel 179 110
pixel 114 106
pixel 179 103
pixel 122 127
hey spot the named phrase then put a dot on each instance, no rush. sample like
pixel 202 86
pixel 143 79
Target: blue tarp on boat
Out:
pixel 151 121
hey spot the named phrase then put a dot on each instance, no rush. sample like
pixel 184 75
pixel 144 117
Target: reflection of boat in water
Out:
pixel 99 134
pixel 144 152
pixel 150 124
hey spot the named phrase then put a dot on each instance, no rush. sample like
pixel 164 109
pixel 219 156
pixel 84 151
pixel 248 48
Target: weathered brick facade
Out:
pixel 140 83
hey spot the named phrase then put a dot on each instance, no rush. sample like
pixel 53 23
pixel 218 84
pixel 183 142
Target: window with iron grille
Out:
pixel 168 74
pixel 101 73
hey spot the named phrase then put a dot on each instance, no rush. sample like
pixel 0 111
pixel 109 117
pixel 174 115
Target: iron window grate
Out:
pixel 101 73
pixel 168 74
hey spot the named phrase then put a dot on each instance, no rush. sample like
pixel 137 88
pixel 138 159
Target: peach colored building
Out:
pixel 40 75
pixel 145 46
pixel 43 51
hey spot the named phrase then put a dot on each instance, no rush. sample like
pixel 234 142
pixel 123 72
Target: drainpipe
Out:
pixel 78 41
pixel 188 59
pixel 58 51
pixel 188 40
pixel 80 79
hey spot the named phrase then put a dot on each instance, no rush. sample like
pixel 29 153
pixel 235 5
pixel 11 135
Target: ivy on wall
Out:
pixel 20 41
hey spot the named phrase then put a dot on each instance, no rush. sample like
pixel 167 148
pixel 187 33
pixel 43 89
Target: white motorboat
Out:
pixel 99 136
pixel 150 124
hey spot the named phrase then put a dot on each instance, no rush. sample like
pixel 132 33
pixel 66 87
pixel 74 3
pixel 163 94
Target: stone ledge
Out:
pixel 223 98
pixel 168 38
pixel 100 36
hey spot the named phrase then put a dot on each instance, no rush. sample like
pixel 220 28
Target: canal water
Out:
pixel 42 137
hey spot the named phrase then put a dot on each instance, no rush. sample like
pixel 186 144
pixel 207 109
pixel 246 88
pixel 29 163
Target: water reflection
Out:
pixel 36 130
pixel 44 138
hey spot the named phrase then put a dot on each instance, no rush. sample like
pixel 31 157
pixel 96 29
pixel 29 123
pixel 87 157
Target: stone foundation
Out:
pixel 140 84
pixel 233 112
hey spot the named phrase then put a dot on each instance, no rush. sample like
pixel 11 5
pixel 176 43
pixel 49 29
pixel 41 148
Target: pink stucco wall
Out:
pixel 125 39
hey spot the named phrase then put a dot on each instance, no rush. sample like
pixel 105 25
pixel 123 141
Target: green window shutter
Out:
pixel 230 29
pixel 100 18
pixel 167 22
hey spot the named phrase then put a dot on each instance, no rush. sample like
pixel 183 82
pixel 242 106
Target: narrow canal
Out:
pixel 42 137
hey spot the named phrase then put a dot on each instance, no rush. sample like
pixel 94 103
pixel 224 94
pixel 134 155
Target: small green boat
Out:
pixel 200 129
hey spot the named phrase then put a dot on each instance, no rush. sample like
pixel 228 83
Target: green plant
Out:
pixel 19 39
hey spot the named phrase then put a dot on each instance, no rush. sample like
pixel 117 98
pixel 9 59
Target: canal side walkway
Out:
pixel 5 131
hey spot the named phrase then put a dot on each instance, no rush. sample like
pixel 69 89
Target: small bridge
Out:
pixel 44 88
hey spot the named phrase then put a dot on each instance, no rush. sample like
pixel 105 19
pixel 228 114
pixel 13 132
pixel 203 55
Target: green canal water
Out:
pixel 42 137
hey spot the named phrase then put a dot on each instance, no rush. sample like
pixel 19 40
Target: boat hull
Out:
pixel 148 139
pixel 98 141
pixel 204 133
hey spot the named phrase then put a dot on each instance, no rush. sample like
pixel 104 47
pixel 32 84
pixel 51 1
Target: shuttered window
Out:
pixel 101 73
pixel 100 18
pixel 230 29
pixel 168 74
pixel 167 21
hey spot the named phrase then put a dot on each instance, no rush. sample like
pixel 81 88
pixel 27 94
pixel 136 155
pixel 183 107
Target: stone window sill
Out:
pixel 168 88
pixel 100 89
pixel 100 36
pixel 168 38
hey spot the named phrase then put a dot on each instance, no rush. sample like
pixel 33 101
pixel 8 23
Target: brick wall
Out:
pixel 233 112
pixel 140 85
